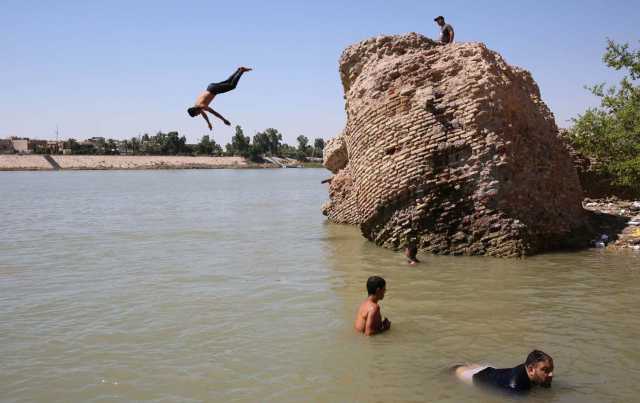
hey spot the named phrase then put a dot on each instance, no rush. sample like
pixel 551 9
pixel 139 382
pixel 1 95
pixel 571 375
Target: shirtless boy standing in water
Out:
pixel 368 319
pixel 205 98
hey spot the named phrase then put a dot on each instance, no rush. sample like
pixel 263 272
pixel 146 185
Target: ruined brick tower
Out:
pixel 451 148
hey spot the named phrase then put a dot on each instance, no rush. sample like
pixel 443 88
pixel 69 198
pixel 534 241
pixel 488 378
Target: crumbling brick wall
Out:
pixel 451 148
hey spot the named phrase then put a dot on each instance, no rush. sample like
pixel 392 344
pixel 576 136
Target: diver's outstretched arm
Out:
pixel 219 116
pixel 206 118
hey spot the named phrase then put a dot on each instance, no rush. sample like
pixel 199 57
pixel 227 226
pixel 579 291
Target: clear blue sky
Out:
pixel 122 68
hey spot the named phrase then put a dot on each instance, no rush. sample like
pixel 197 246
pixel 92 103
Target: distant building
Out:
pixel 38 146
pixel 6 146
pixel 23 145
pixel 55 146
pixel 20 145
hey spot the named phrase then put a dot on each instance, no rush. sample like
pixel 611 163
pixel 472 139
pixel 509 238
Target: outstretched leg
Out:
pixel 228 84
pixel 466 372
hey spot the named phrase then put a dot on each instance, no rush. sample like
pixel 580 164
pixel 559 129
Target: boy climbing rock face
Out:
pixel 368 319
pixel 204 99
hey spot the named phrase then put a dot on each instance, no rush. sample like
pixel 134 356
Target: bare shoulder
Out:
pixel 367 307
pixel 373 308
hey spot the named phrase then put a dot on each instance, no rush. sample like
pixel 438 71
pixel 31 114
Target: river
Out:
pixel 230 286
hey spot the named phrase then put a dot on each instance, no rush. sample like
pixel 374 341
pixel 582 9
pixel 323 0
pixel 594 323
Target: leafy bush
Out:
pixel 610 133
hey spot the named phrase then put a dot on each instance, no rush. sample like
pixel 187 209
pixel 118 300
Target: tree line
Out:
pixel 266 143
pixel 610 134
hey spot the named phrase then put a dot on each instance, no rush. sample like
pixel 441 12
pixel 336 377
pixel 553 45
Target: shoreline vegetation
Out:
pixel 265 150
pixel 38 162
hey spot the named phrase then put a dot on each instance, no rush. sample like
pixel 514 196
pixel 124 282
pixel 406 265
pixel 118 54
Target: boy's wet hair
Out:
pixel 374 283
pixel 194 111
pixel 537 356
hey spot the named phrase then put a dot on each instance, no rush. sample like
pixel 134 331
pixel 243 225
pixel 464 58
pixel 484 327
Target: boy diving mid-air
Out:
pixel 202 102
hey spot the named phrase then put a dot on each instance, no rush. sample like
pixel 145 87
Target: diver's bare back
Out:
pixel 204 99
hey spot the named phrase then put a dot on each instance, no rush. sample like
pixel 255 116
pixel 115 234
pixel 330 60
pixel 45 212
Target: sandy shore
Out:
pixel 89 162
pixel 12 162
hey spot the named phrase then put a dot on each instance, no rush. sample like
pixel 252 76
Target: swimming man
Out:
pixel 202 102
pixel 368 319
pixel 536 370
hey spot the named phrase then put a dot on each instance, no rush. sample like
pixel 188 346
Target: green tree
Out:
pixel 275 138
pixel 611 132
pixel 318 147
pixel 101 145
pixel 173 144
pixel 254 154
pixel 206 146
pixel 261 143
pixel 110 147
pixel 71 144
pixel 268 142
pixel 303 147
pixel 240 144
pixel 288 151
pixel 216 149
pixel 134 145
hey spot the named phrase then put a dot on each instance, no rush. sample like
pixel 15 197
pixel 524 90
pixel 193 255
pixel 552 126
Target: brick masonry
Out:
pixel 449 147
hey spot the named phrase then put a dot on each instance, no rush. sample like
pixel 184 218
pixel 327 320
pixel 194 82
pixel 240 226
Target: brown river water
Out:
pixel 230 286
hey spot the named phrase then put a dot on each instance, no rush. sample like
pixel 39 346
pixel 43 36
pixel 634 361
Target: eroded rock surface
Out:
pixel 451 148
pixel 334 156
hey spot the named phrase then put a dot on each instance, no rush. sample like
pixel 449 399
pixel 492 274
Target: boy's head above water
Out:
pixel 376 286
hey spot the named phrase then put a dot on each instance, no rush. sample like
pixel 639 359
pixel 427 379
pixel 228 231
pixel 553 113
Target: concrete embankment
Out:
pixel 24 163
pixel 90 162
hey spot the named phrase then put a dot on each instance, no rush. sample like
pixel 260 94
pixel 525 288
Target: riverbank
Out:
pixel 619 222
pixel 107 162
pixel 33 162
